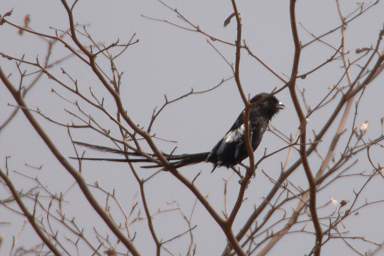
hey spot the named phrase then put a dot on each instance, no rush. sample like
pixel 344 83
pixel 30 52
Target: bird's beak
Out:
pixel 280 106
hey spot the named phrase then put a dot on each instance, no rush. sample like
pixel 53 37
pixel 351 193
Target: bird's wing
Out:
pixel 236 133
pixel 238 122
pixel 234 136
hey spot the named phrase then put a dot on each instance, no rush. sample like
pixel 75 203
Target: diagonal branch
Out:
pixel 55 151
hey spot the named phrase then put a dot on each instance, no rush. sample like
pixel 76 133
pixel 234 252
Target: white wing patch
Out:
pixel 234 135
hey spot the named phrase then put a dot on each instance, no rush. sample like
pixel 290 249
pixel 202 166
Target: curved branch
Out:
pixel 303 129
pixel 29 216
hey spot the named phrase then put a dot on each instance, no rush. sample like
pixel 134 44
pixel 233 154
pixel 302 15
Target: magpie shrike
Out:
pixel 229 151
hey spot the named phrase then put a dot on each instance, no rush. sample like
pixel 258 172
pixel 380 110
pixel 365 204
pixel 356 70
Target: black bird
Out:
pixel 229 151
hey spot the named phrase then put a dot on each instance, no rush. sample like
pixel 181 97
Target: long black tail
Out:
pixel 186 159
pixel 134 157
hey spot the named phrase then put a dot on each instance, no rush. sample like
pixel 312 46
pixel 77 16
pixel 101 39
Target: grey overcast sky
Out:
pixel 171 61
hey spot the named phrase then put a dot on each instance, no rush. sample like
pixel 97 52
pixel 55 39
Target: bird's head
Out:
pixel 267 103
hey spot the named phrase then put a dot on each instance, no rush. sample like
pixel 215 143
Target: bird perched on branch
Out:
pixel 229 151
